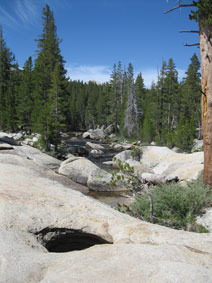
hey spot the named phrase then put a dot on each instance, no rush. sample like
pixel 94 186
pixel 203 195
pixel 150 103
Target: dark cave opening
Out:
pixel 61 240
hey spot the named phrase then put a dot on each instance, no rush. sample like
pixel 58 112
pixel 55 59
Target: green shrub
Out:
pixel 136 152
pixel 174 206
pixel 199 149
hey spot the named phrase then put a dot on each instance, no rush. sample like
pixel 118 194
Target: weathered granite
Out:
pixel 78 169
pixel 5 146
pixel 122 156
pixel 37 156
pixel 96 134
pixel 96 153
pixel 94 145
pixel 156 179
pixel 198 145
pixel 134 251
pixel 138 167
pixel 100 181
pixel 109 130
pixel 206 219
pixel 6 138
pixel 166 162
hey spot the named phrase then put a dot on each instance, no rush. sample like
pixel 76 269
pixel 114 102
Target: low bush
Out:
pixel 174 206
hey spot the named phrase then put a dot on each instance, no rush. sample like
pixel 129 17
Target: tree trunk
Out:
pixel 206 64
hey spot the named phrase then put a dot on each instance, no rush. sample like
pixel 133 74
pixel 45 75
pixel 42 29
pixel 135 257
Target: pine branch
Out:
pixel 192 31
pixel 202 92
pixel 179 6
pixel 194 44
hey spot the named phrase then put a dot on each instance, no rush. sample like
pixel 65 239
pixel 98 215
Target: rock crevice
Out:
pixel 60 240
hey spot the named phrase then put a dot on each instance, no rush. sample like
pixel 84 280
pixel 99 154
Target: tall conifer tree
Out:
pixel 25 98
pixel 48 62
pixel 140 96
pixel 7 60
pixel 117 100
pixel 160 101
pixel 171 95
pixel 191 109
pixel 171 102
pixel 11 100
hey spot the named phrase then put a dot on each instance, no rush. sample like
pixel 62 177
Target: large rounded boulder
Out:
pixel 166 162
pixel 78 169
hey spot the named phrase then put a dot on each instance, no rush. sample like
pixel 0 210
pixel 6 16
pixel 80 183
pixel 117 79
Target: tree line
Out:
pixel 40 98
pixel 168 113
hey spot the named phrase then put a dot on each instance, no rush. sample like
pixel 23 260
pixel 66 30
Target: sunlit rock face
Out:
pixel 51 233
pixel 164 161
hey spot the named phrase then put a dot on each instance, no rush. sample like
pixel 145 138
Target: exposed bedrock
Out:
pixel 51 233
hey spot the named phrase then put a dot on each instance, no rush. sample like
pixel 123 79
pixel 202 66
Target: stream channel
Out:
pixel 78 144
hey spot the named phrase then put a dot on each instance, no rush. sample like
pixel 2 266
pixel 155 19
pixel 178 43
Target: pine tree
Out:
pixel 171 101
pixel 25 98
pixel 117 96
pixel 55 118
pixel 11 99
pixel 103 104
pixel 7 60
pixel 72 117
pixel 203 15
pixel 168 101
pixel 120 83
pixel 91 109
pixel 48 59
pixel 191 99
pixel 184 134
pixel 150 104
pixel 148 130
pixel 81 100
pixel 160 93
pixel 140 97
pixel 204 18
pixel 115 99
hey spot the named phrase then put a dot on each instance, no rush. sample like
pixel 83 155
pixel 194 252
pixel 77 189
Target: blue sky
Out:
pixel 98 33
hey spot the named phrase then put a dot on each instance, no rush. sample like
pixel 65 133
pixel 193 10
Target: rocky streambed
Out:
pixel 87 170
pixel 86 156
pixel 152 164
pixel 99 153
pixel 52 233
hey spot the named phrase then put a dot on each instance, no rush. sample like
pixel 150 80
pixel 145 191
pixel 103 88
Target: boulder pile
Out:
pixel 163 162
pixel 83 171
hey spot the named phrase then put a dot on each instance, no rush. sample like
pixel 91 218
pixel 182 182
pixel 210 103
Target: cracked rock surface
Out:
pixel 126 250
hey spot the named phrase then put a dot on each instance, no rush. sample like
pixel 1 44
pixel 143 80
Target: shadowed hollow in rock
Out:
pixel 61 240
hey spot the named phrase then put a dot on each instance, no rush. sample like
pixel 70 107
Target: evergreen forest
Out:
pixel 41 98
